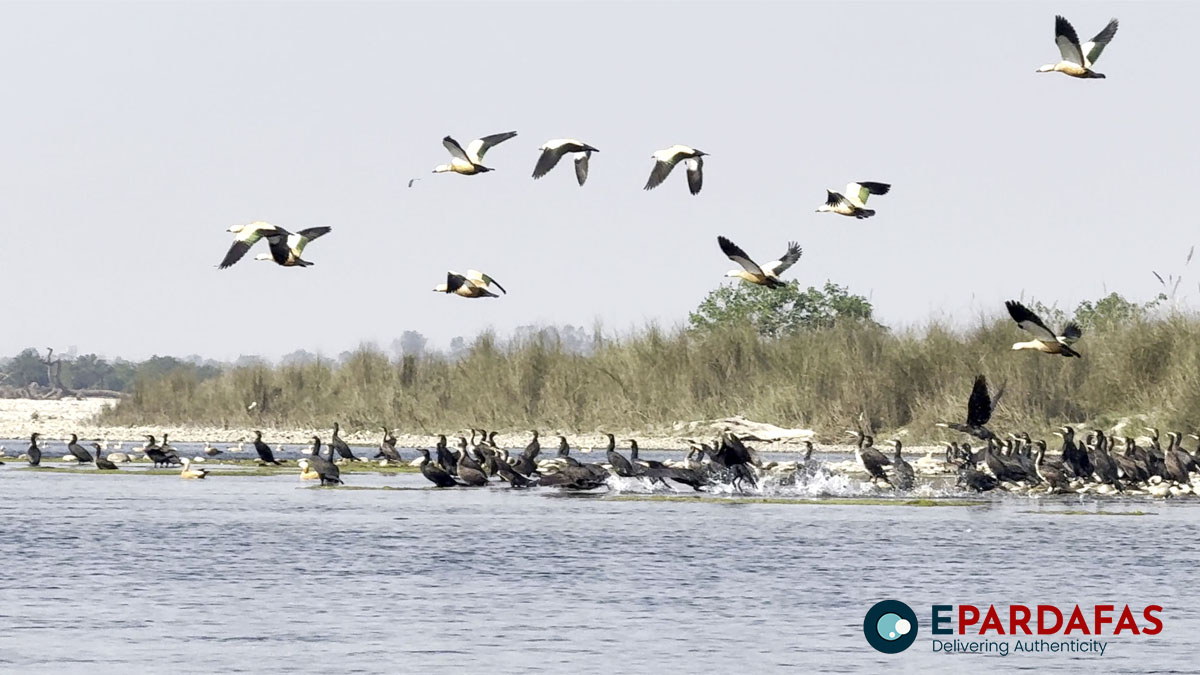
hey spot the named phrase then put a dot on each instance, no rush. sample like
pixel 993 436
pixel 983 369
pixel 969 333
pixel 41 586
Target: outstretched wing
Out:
pixel 860 191
pixel 1092 50
pixel 301 239
pixel 695 174
pixel 658 174
pixel 547 161
pixel 237 250
pixel 789 258
pixel 1071 333
pixel 454 281
pixel 455 149
pixel 581 167
pixel 281 248
pixel 979 406
pixel 1067 41
pixel 737 255
pixel 1028 321
pixel 482 279
pixel 833 199
pixel 477 148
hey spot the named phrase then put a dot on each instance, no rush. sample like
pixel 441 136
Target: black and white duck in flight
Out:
pixel 247 236
pixel 763 275
pixel 665 160
pixel 470 161
pixel 473 284
pixel 854 201
pixel 1077 60
pixel 286 247
pixel 1045 340
pixel 553 150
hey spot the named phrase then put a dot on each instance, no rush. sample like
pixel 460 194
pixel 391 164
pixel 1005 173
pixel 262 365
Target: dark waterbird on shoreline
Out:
pixel 155 453
pixel 387 448
pixel 903 476
pixel 326 470
pixel 77 451
pixel 980 407
pixel 340 446
pixel 434 471
pixel 870 457
pixel 34 452
pixel 100 462
pixel 264 451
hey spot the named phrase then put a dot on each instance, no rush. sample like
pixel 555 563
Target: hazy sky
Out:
pixel 133 135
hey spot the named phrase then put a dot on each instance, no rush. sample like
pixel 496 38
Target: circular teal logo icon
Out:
pixel 890 626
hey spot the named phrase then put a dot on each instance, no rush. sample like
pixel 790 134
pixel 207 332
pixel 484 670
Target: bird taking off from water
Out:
pixel 979 411
pixel 764 275
pixel 470 161
pixel 286 247
pixel 553 150
pixel 1045 340
pixel 665 160
pixel 473 284
pixel 854 201
pixel 1077 59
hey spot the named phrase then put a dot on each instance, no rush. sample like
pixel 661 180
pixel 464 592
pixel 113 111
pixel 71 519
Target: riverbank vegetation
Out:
pixel 822 370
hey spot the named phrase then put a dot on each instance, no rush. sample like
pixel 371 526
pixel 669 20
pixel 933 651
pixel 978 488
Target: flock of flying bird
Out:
pixel 285 248
pixel 1016 461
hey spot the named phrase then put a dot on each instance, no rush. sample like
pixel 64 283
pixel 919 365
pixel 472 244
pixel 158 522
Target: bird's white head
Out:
pixel 440 288
pixel 263 256
pixel 733 273
pixel 235 228
pixel 1048 68
pixel 443 168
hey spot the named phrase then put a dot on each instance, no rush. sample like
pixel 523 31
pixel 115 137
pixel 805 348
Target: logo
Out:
pixel 890 626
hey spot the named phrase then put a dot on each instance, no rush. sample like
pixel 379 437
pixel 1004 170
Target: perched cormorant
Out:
pixel 979 410
pixel 871 459
pixel 100 462
pixel 336 442
pixel 35 453
pixel 434 471
pixel 264 451
pixel 387 448
pixel 445 457
pixel 326 470
pixel 765 275
pixel 903 476
pixel 666 159
pixel 1051 474
pixel 1104 467
pixel 617 461
pixel 77 450
pixel 1074 458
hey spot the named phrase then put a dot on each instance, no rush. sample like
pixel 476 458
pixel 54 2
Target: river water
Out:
pixel 263 574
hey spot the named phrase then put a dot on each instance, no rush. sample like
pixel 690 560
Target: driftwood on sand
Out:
pixel 749 429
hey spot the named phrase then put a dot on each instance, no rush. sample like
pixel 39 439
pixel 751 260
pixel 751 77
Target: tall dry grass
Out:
pixel 822 379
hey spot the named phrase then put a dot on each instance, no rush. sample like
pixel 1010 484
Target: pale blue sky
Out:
pixel 133 135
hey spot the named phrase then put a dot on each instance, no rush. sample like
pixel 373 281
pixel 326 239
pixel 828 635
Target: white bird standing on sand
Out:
pixel 474 284
pixel 287 247
pixel 247 236
pixel 854 202
pixel 470 161
pixel 553 150
pixel 665 160
pixel 1045 340
pixel 764 275
pixel 1077 59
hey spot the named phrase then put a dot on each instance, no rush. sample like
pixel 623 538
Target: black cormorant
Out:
pixel 616 460
pixel 434 471
pixel 979 410
pixel 77 451
pixel 871 459
pixel 35 453
pixel 326 470
pixel 100 462
pixel 339 446
pixel 903 476
pixel 264 452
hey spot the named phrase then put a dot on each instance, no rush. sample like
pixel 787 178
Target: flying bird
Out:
pixel 764 275
pixel 247 236
pixel 470 161
pixel 1045 340
pixel 980 407
pixel 553 150
pixel 1077 60
pixel 665 160
pixel 286 247
pixel 854 201
pixel 473 284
